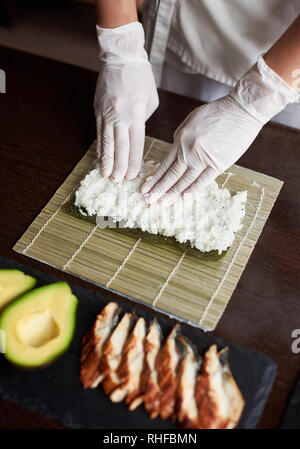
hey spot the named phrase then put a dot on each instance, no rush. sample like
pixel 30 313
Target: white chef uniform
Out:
pixel 200 48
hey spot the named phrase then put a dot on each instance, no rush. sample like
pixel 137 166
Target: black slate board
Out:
pixel 291 418
pixel 56 393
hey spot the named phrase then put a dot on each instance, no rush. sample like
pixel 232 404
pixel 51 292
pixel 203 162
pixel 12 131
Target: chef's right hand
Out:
pixel 125 98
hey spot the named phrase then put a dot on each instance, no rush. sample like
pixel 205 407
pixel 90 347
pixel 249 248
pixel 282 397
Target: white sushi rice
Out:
pixel 207 220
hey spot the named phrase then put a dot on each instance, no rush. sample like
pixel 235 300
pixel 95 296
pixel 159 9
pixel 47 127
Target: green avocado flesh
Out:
pixel 71 209
pixel 39 326
pixel 13 283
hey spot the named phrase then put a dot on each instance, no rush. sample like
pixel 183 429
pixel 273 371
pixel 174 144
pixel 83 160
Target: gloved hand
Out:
pixel 125 98
pixel 214 136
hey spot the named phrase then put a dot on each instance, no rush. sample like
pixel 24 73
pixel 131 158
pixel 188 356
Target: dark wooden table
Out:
pixel 46 125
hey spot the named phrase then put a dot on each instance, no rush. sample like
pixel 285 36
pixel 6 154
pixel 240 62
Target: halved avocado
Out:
pixel 40 325
pixel 14 283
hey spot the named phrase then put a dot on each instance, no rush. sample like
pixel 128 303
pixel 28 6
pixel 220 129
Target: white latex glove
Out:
pixel 214 136
pixel 125 98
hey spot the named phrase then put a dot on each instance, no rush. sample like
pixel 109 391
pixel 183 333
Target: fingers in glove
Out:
pixel 187 179
pixel 206 177
pixel 169 179
pixel 137 139
pixel 121 153
pixel 164 166
pixel 99 136
pixel 107 149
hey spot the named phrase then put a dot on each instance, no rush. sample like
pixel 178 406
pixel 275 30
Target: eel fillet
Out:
pixel 149 390
pixel 112 354
pixel 167 364
pixel 186 406
pixel 131 366
pixel 93 342
pixel 219 400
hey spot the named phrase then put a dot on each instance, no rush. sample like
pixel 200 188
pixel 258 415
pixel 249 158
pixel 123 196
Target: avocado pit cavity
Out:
pixel 36 329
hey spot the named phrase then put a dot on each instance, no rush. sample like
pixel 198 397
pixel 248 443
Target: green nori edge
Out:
pixel 70 208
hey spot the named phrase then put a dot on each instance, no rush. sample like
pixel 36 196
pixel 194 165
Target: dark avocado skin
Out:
pixel 73 210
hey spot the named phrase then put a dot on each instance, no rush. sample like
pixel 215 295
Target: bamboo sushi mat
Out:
pixel 164 277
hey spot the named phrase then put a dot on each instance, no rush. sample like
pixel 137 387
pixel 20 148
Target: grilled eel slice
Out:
pixel 112 353
pixel 149 392
pixel 219 400
pixel 167 365
pixel 93 342
pixel 131 366
pixel 186 406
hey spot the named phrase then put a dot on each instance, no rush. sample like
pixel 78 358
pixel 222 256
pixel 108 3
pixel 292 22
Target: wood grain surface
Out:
pixel 46 124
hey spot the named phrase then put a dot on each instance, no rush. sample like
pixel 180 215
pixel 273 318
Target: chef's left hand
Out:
pixel 209 140
pixel 214 136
